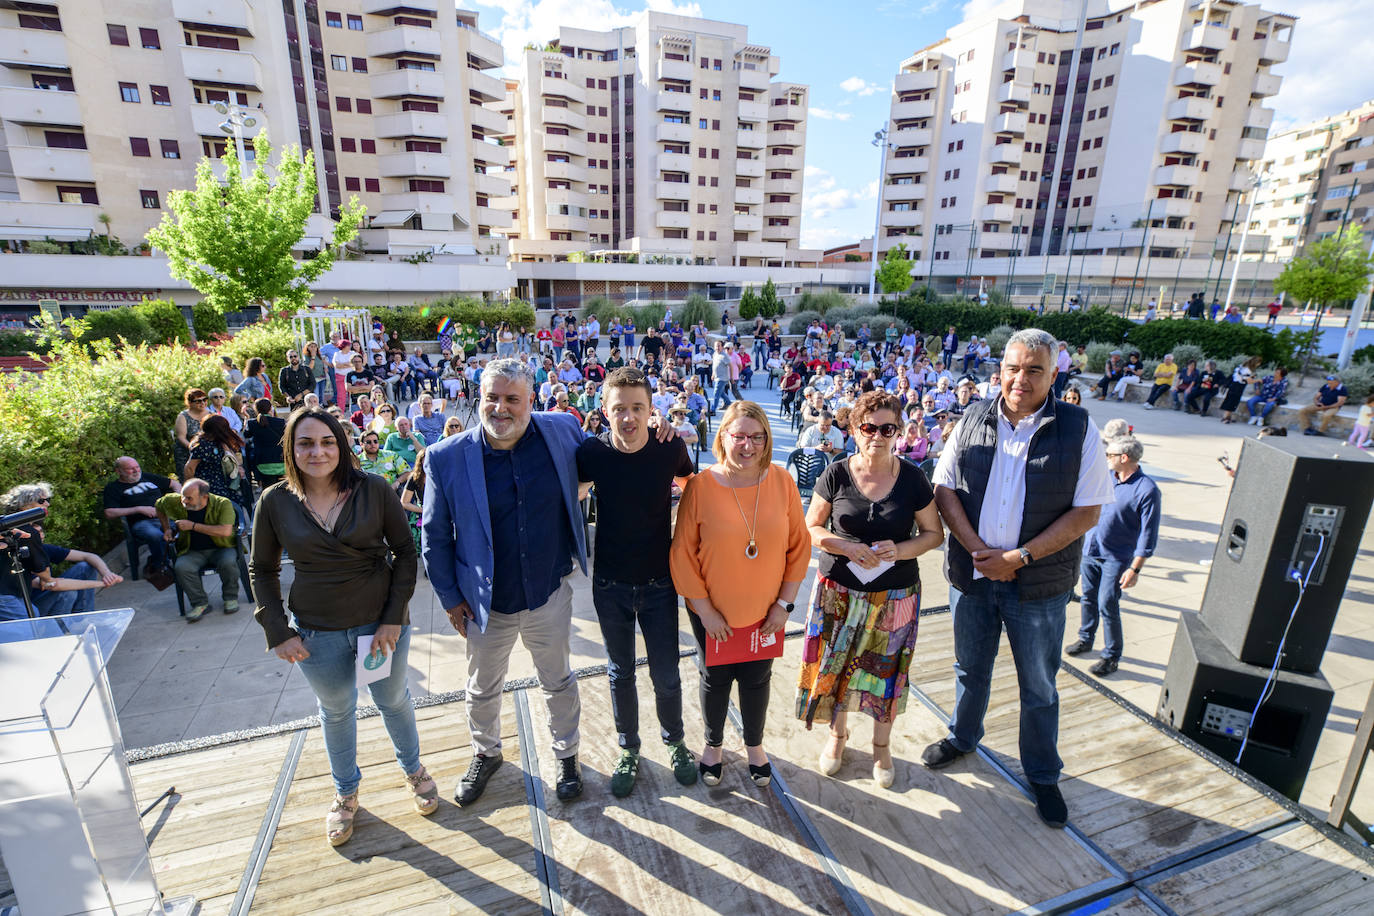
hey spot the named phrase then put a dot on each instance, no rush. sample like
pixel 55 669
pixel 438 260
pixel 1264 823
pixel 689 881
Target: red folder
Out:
pixel 746 644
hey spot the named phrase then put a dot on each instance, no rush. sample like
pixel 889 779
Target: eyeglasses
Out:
pixel 219 397
pixel 757 439
pixel 886 430
pixel 199 400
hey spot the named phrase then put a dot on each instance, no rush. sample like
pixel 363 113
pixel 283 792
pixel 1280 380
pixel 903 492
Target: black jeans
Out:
pixel 1203 394
pixel 1155 392
pixel 753 679
pixel 654 605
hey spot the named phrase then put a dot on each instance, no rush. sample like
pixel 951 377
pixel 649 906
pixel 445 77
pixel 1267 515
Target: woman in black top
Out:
pixel 264 436
pixel 873 508
pixel 217 459
pixel 1183 385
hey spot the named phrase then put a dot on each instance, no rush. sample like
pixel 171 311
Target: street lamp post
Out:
pixel 1352 325
pixel 236 121
pixel 1116 263
pixel 1255 183
pixel 880 141
pixel 1144 243
pixel 1216 287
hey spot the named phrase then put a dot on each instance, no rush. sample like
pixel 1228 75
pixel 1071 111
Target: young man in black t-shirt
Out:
pixel 634 473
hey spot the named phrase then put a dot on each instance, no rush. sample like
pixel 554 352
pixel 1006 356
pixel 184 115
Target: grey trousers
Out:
pixel 546 632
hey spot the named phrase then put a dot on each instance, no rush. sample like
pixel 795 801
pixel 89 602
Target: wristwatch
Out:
pixel 787 606
pixel 1026 558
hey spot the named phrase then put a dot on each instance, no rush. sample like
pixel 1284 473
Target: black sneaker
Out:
pixel 1078 648
pixel 940 754
pixel 1104 666
pixel 475 781
pixel 569 784
pixel 1049 804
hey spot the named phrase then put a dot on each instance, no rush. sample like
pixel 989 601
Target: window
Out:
pixel 170 150
pixel 343 103
pixel 715 125
pixel 44 23
pixel 427 185
pixel 118 34
pixel 333 20
pixel 372 184
pixel 352 184
pixel 161 95
pixel 61 139
pixel 338 62
pixel 77 194
pixel 53 82
pixel 701 123
pixel 715 64
pixel 706 63
pixel 150 201
pixel 223 42
pixel 416 105
pixel 348 145
pixel 360 65
pixel 128 92
pixel 367 145
pixel 149 39
pixel 424 146
pixel 355 23
pixel 364 106
pixel 139 146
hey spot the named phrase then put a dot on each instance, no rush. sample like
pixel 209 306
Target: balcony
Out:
pixel 25 219
pixel 415 165
pixel 1241 180
pixel 1184 141
pixel 41 106
pixel 229 14
pixel 1259 118
pixel 1200 73
pixel 554 197
pixel 384 7
pixel 34 48
pixel 403 39
pixel 490 88
pixel 916 81
pixel 902 111
pixel 904 192
pixel 565 223
pixel 749 168
pixel 492 217
pixel 665 132
pixel 223 68
pixel 750 196
pixel 673 190
pixel 793 138
pixel 1014 93
pixel 420 202
pixel 38 163
pixel 1006 183
pixel 909 136
pixel 407 124
pixel 1007 154
pixel 753 79
pixel 748 222
pixel 565 170
pixel 680 70
pixel 1017 58
pixel 1189 109
pixel 998 213
pixel 751 139
pixel 907 165
pixel 673 219
pixel 753 111
pixel 1171 207
pixel 904 218
pixel 567 116
pixel 393 84
pixel 490 153
pixel 673 162
pixel 1265 85
pixel 491 121
pixel 485 48
pixel 791 233
pixel 1011 122
pixel 1250 149
pixel 783 185
pixel 494 186
pixel 1185 176
pixel 562 89
pixel 1274 51
pixel 560 143
pixel 673 101
pixel 205 121
pixel 781 161
pixel 999 241
pixel 790 209
pixel 1206 38
pixel 760 249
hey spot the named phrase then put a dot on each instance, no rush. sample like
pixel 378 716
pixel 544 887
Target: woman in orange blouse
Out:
pixel 739 555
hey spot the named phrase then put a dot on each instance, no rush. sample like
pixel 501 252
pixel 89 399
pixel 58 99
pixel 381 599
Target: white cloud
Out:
pixel 822 195
pixel 524 21
pixel 860 86
pixel 826 114
pixel 815 236
pixel 1318 78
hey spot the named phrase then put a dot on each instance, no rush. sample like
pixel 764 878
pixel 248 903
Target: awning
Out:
pixel 56 233
pixel 309 243
pixel 389 219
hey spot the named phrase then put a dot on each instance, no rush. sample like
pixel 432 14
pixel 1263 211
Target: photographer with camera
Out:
pixel 51 595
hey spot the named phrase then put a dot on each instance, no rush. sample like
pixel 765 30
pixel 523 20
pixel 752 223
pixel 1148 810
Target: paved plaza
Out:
pixel 174 681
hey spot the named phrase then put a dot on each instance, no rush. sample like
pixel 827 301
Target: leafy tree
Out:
pixel 748 304
pixel 894 273
pixel 769 303
pixel 699 308
pixel 233 241
pixel 1331 270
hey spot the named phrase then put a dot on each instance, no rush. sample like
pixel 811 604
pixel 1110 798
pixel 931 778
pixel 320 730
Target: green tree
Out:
pixel 769 303
pixel 233 241
pixel 894 273
pixel 1330 270
pixel 748 304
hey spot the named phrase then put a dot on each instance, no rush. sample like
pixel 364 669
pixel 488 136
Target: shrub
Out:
pixel 821 303
pixel 165 319
pixel 1358 379
pixel 801 321
pixel 125 324
pixel 209 322
pixel 601 308
pixel 648 316
pixel 769 303
pixel 1097 353
pixel 699 308
pixel 22 343
pixel 1186 351
pixel 421 321
pixel 1363 355
pixel 971 318
pixel 998 299
pixel 1162 336
pixel 997 338
pixel 267 339
pixel 1229 364
pixel 748 305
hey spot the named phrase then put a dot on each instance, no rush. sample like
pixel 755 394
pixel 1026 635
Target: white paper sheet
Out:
pixel 370 667
pixel 868 575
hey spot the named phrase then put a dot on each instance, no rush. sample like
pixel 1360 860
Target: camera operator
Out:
pixel 51 595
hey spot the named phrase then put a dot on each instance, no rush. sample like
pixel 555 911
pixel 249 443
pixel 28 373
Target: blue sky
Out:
pixel 848 53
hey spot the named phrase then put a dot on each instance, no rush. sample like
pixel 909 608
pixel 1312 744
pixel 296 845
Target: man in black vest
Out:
pixel 1019 484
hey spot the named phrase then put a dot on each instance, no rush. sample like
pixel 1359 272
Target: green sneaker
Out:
pixel 196 612
pixel 684 764
pixel 626 769
pixel 231 607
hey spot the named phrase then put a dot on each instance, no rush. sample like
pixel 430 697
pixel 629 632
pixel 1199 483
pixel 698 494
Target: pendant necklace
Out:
pixel 324 520
pixel 752 551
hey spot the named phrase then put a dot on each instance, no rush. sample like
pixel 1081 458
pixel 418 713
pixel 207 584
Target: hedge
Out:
pixel 209 321
pixel 421 322
pixel 969 318
pixel 1218 339
pixel 267 339
pixel 166 321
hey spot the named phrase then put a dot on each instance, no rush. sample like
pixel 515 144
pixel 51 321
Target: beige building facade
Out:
pixel 667 141
pixel 1047 128
pixel 105 108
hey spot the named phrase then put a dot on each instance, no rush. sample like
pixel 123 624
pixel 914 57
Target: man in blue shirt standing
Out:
pixel 1116 550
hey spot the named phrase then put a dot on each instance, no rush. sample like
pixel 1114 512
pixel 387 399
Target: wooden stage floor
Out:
pixel 1155 826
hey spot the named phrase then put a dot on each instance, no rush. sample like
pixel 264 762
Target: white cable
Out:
pixel 1269 682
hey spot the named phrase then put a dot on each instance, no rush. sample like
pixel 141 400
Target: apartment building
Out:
pixel 668 140
pixel 1311 171
pixel 106 108
pixel 1070 127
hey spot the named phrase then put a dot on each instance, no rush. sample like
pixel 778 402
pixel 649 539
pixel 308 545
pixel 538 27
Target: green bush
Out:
pixel 208 321
pixel 1215 338
pixel 1358 379
pixel 68 424
pixel 648 316
pixel 748 305
pixel 820 303
pixel 1363 355
pixel 166 320
pixel 1097 353
pixel 699 308
pixel 267 339
pixel 997 338
pixel 601 308
pixel 801 321
pixel 125 323
pixel 21 343
pixel 1186 351
pixel 1077 327
pixel 421 322
pixel 969 318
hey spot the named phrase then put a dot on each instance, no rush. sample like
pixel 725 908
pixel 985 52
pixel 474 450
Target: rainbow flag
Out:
pixel 445 326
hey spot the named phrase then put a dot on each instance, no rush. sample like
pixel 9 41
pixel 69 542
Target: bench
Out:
pixel 22 364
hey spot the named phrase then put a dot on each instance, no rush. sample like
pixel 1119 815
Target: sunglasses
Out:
pixel 199 400
pixel 886 430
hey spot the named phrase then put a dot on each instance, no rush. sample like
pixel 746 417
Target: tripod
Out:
pixel 14 548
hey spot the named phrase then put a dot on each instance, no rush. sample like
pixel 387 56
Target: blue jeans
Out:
pixel 331 671
pixel 50 604
pixel 760 353
pixel 722 391
pixel 148 532
pixel 1264 407
pixel 1035 630
pixel 324 390
pixel 654 605
pixel 12 608
pixel 1101 588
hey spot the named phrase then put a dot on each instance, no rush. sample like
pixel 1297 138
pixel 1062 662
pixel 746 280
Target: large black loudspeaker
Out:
pixel 1298 507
